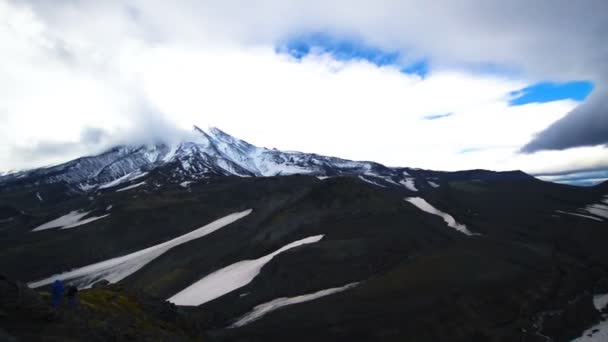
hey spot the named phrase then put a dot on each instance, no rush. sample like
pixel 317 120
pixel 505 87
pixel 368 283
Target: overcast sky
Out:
pixel 429 84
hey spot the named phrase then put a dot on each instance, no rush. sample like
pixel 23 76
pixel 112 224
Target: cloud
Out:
pixel 436 116
pixel 150 69
pixel 586 125
pixel 89 138
pixel 586 178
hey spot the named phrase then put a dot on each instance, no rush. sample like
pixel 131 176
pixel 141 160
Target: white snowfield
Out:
pixel 451 222
pixel 131 186
pixel 116 269
pixel 265 308
pixel 69 220
pixel 230 278
pixel 409 184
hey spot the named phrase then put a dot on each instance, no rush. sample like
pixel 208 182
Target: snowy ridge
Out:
pixel 265 308
pixel 210 152
pixel 116 269
pixel 231 277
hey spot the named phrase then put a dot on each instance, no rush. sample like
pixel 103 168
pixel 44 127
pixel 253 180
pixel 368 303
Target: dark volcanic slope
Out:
pixel 537 256
pixel 418 278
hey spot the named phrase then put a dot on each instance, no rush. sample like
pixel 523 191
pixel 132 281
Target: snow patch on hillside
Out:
pixel 600 301
pixel 597 333
pixel 265 308
pixel 599 209
pixel 423 205
pixel 85 221
pixel 116 269
pixel 185 184
pixel 579 215
pixel 115 182
pixel 230 278
pixel 384 178
pixel 69 220
pixel 433 184
pixel 409 184
pixel 131 186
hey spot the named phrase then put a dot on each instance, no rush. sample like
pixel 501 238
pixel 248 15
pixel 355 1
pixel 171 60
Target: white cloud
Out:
pixel 130 71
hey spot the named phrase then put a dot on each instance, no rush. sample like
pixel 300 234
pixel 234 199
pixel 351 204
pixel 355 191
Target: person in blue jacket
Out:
pixel 57 293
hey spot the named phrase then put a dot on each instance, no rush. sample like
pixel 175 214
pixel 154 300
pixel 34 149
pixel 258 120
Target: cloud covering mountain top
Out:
pixel 83 75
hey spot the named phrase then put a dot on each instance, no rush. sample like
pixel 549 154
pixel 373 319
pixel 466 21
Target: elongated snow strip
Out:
pixel 116 269
pixel 66 220
pixel 433 184
pixel 579 215
pixel 131 187
pixel 231 277
pixel 85 221
pixel 451 222
pixel 265 308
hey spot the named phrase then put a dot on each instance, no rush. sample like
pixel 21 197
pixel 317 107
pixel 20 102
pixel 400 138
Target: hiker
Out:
pixel 57 293
pixel 71 294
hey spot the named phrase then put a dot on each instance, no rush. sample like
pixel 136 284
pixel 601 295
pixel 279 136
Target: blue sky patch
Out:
pixel 551 91
pixel 420 68
pixel 347 49
pixel 437 116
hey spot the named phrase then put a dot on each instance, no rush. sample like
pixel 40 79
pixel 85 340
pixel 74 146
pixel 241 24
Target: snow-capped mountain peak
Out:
pixel 211 153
